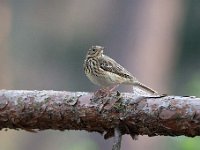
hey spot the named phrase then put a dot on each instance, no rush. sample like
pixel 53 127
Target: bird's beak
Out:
pixel 102 52
pixel 102 49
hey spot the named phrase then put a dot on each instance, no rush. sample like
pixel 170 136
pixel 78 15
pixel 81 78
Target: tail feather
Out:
pixel 144 87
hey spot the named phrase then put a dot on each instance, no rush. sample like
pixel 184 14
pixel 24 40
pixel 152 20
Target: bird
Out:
pixel 105 72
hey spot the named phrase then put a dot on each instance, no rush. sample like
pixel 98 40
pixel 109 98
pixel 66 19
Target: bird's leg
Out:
pixel 101 92
pixel 106 91
pixel 112 88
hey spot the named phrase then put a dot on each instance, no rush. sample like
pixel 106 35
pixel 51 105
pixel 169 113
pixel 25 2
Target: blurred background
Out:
pixel 43 45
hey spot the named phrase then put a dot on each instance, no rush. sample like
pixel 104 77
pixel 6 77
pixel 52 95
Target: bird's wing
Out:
pixel 110 65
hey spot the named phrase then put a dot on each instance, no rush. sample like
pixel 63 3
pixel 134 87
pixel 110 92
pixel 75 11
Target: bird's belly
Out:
pixel 104 81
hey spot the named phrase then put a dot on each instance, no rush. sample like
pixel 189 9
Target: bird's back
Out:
pixel 110 65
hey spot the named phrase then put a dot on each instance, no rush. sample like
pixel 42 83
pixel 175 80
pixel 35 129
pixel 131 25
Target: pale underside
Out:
pixel 109 79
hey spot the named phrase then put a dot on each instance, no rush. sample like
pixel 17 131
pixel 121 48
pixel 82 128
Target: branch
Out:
pixel 117 139
pixel 152 116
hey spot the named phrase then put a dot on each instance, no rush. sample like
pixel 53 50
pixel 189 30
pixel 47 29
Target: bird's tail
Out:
pixel 144 87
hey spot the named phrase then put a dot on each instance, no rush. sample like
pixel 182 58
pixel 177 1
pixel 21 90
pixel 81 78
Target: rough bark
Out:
pixel 60 110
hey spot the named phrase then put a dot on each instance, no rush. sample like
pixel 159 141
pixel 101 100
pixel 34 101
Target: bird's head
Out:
pixel 95 51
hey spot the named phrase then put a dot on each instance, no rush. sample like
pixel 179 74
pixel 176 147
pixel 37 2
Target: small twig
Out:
pixel 117 139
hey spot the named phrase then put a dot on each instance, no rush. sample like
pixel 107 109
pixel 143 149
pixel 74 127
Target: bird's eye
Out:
pixel 93 50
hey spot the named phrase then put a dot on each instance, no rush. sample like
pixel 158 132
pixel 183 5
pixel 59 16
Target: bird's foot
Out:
pixel 102 93
pixel 105 91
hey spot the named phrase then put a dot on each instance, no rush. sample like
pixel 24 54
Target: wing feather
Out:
pixel 110 65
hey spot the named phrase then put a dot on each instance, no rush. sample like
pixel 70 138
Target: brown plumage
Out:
pixel 105 72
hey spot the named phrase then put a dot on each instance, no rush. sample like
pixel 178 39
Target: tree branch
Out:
pixel 117 139
pixel 152 116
